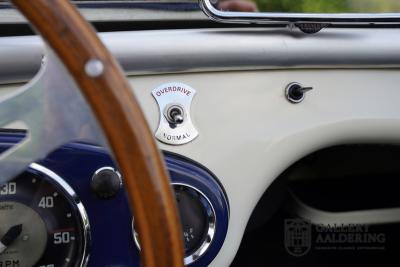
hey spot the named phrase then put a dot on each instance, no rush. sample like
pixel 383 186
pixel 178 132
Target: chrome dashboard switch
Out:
pixel 174 101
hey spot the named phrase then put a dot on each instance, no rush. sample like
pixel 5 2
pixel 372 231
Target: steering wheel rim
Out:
pixel 108 93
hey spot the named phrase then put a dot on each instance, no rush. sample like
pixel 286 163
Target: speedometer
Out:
pixel 42 222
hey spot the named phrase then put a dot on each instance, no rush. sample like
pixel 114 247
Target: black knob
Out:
pixel 296 93
pixel 106 183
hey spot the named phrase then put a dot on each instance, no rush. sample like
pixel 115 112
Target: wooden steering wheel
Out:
pixel 102 83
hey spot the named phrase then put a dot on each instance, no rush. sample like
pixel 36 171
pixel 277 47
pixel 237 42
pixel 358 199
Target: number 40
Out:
pixel 46 202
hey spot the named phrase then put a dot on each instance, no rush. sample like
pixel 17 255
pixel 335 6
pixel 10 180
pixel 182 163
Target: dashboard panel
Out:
pixel 248 132
pixel 62 187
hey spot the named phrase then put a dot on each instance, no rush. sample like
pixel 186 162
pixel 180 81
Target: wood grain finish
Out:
pixel 133 145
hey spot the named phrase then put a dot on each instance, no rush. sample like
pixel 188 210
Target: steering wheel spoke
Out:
pixel 55 113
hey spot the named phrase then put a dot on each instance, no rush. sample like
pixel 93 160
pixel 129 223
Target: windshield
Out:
pixel 311 6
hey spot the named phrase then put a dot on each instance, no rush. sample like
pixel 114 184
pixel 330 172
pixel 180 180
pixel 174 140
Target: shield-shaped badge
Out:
pixel 297 237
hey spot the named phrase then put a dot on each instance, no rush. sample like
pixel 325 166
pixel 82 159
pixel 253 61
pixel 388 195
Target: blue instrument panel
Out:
pixel 112 242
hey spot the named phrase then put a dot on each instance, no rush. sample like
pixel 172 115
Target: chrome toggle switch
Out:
pixel 174 101
pixel 174 114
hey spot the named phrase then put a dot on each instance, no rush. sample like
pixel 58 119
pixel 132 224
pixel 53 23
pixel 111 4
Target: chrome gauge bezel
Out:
pixel 212 219
pixel 71 195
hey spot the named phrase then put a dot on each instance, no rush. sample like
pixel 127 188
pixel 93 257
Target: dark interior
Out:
pixel 336 179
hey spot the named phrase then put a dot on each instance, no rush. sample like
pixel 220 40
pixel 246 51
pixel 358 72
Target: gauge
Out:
pixel 42 222
pixel 197 218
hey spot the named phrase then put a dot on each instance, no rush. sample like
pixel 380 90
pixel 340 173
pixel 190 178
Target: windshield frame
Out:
pixel 289 18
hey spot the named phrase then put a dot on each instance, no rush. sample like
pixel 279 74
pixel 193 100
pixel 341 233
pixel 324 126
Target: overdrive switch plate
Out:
pixel 174 101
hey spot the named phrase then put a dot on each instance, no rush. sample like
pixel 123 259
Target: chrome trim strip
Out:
pixel 106 11
pixel 268 17
pixel 200 50
pixel 11 16
pixel 81 209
